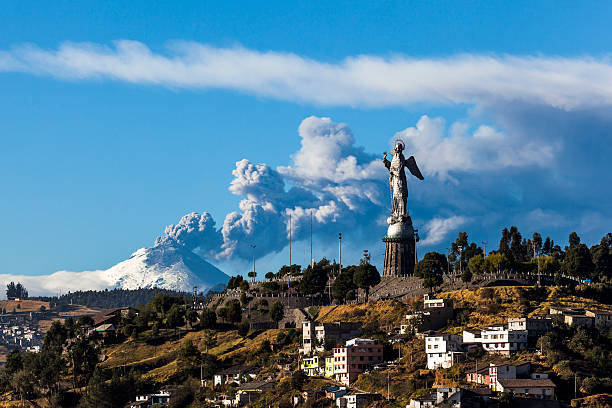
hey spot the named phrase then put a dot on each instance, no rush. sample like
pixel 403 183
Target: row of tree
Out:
pixel 517 254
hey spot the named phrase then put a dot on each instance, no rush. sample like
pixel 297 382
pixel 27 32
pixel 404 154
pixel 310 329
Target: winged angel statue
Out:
pixel 397 180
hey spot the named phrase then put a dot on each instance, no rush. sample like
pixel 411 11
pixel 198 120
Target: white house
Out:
pixel 443 350
pixel 497 339
pixel 357 400
pixel 529 388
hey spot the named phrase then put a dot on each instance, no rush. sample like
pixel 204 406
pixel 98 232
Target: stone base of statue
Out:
pixel 399 248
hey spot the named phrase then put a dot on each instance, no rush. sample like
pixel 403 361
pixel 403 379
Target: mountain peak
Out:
pixel 165 266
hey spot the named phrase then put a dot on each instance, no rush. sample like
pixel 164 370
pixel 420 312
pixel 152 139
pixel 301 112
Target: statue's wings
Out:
pixel 414 169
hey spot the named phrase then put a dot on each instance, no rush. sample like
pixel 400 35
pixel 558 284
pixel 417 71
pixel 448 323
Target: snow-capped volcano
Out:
pixel 163 266
pixel 167 267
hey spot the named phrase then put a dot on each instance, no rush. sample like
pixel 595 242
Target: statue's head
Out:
pixel 399 146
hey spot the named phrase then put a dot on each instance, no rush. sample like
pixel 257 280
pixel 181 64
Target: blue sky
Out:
pixel 97 159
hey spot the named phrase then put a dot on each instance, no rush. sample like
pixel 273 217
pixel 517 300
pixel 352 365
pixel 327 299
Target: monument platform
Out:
pixel 399 249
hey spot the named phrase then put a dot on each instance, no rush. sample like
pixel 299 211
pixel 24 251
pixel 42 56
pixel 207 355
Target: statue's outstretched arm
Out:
pixel 386 161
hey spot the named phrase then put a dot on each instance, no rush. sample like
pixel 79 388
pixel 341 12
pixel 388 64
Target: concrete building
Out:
pixel 357 400
pixel 237 374
pixel 161 398
pixel 251 391
pixel 600 317
pixel 584 318
pixel 314 335
pixel 535 326
pixel 497 339
pixel 354 358
pixel 452 397
pixel 311 366
pixel 507 371
pixel 329 367
pixel 528 388
pixel 443 350
pixel 581 320
pixel 435 314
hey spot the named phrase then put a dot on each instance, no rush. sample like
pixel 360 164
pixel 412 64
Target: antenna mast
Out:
pixel 311 258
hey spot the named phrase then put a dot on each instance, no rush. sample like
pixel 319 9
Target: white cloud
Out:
pixel 61 281
pixel 438 228
pixel 485 149
pixel 364 80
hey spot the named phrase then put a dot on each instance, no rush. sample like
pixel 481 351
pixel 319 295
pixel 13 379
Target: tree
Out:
pixel 574 240
pixel 292 270
pixel 344 283
pixel 85 321
pixel 188 358
pixel 14 362
pixel 270 275
pixel 462 251
pixel 252 275
pixel 547 247
pixel 497 262
pixel 476 265
pixel 84 357
pixel 14 291
pixel 549 265
pixel 191 316
pixel 366 275
pixel 243 329
pixel 265 347
pixel 23 383
pixel 222 313
pixel 210 339
pixel 244 300
pixel 298 379
pixel 578 262
pixel 55 338
pixel 602 258
pixel 175 317
pixel 516 245
pixel 234 282
pixel 277 311
pixel 244 286
pixel 537 243
pixel 431 268
pixel 511 246
pixel 208 318
pixel 234 311
pixel 209 365
pixel 155 330
pixel 466 276
pixel 161 302
pixel 314 278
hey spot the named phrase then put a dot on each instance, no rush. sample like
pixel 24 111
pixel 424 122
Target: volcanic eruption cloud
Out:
pixel 346 189
pixel 340 184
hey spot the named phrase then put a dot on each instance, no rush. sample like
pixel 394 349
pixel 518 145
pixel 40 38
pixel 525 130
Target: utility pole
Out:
pixel 340 252
pixel 460 256
pixel 575 387
pixel 448 251
pixel 290 243
pixel 311 258
pixel 538 260
pixel 253 246
pixel 484 243
pixel 416 238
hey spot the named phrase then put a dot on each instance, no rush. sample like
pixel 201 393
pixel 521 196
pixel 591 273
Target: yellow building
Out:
pixel 329 366
pixel 311 366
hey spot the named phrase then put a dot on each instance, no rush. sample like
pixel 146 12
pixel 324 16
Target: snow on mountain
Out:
pixel 167 267
pixel 161 266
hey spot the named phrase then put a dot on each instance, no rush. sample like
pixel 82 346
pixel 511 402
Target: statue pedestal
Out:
pixel 399 249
